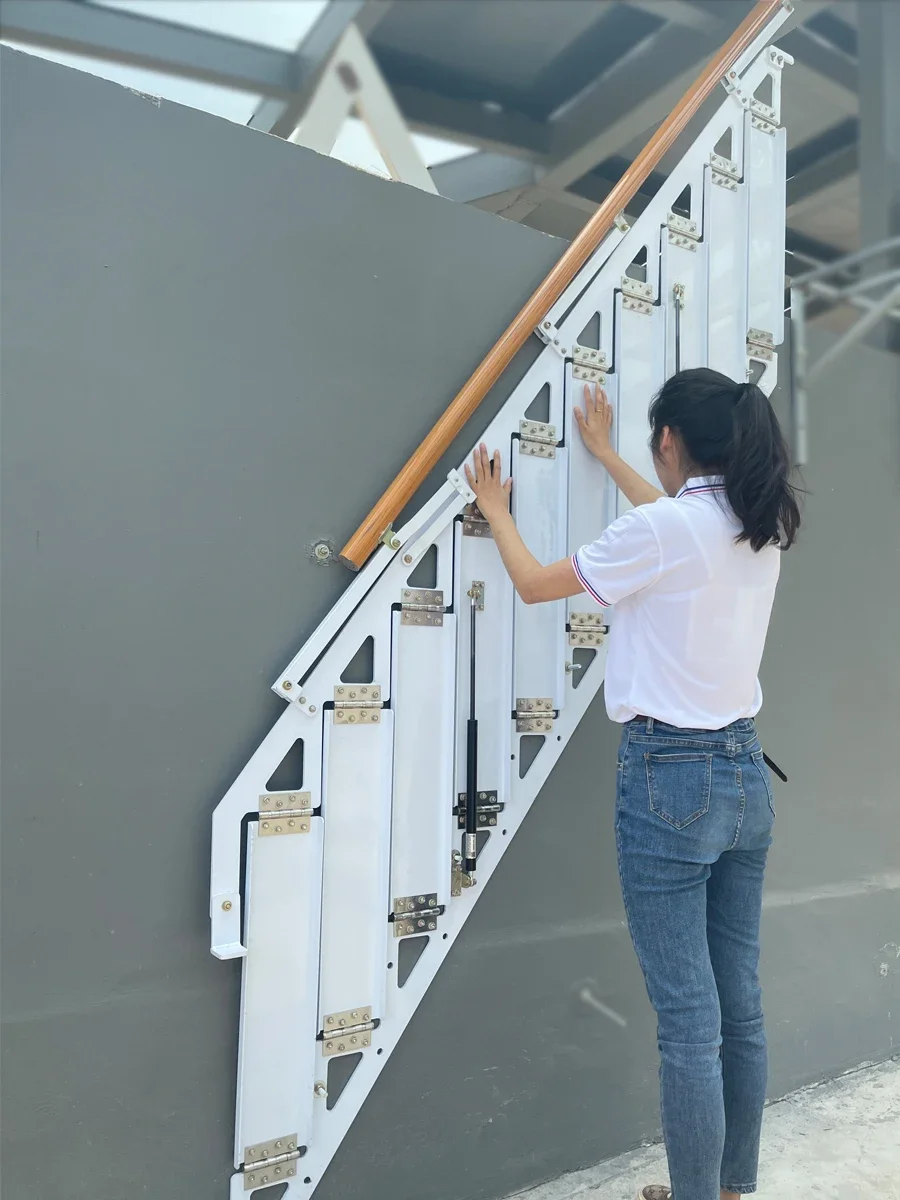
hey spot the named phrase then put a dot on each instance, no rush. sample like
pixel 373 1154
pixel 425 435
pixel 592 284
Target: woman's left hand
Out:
pixel 491 495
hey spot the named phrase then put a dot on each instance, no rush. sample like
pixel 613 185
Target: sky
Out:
pixel 278 23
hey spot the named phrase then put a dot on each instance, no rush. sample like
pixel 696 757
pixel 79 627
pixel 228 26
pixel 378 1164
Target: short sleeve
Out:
pixel 625 559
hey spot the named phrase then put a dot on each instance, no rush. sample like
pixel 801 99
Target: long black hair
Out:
pixel 730 429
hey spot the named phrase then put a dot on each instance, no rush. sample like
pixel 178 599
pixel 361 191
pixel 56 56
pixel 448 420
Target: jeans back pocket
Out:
pixel 679 786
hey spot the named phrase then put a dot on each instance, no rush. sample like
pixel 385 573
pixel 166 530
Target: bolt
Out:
pixel 556 341
pixel 287 685
pixel 320 1090
pixel 265 824
pixel 312 708
pixel 291 824
pixel 407 558
pixel 226 905
pixel 546 324
pixel 278 829
pixel 278 1144
pixel 264 1179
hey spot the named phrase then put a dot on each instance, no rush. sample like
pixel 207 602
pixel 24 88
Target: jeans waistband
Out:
pixel 652 725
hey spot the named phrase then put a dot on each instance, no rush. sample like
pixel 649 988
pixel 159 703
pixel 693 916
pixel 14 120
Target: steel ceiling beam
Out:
pixel 78 27
pixel 823 160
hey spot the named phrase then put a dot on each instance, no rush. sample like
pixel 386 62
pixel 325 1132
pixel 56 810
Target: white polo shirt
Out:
pixel 692 608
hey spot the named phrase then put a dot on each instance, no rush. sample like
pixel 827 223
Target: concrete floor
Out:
pixel 837 1141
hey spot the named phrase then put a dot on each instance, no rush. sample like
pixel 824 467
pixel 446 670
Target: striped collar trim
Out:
pixel 702 484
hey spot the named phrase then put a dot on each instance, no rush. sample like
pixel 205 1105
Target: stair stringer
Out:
pixel 326 939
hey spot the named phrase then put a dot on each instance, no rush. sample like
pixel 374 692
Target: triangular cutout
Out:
pixel 582 657
pixel 529 748
pixel 288 775
pixel 590 335
pixel 765 93
pixel 273 1192
pixel 340 1072
pixel 725 145
pixel 637 268
pixel 423 574
pixel 539 408
pixel 682 206
pixel 409 952
pixel 361 667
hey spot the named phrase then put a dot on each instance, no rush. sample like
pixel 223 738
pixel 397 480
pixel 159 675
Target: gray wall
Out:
pixel 216 348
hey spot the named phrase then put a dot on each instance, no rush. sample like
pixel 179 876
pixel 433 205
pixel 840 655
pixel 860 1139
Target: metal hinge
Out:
pixel 760 345
pixel 683 231
pixel 487 806
pixel 474 524
pixel 537 439
pixel 637 296
pixel 458 878
pixel 416 914
pixel 586 629
pixel 347 1032
pixel 550 336
pixel 725 173
pixel 270 1162
pixel 357 704
pixel 758 121
pixel 534 714
pixel 590 365
pixel 284 813
pixel 419 606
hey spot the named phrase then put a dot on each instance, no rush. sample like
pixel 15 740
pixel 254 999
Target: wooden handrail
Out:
pixel 449 424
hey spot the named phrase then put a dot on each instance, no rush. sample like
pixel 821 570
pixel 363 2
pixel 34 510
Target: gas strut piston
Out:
pixel 470 836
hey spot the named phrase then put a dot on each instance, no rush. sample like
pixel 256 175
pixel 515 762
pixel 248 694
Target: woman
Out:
pixel 692 572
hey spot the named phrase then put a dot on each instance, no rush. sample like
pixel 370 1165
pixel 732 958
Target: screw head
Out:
pixel 286 685
pixel 312 708
pixel 226 905
pixel 407 558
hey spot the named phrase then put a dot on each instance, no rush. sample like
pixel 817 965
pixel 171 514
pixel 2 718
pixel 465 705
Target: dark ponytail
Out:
pixel 730 429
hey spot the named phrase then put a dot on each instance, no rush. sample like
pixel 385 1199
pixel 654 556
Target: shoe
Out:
pixel 655 1191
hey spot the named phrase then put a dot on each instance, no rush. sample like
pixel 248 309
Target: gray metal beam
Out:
pixel 115 35
pixel 823 160
pixel 482 174
pixel 879 106
pixel 282 117
pixel 804 44
pixel 503 130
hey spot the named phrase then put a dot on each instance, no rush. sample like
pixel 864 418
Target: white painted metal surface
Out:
pixel 314 916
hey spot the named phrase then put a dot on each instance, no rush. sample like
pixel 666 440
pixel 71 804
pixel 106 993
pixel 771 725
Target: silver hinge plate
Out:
pixel 284 813
pixel 487 808
pixel 416 914
pixel 589 365
pixel 534 714
pixel 419 606
pixel 550 336
pixel 347 1032
pixel 683 231
pixel 476 594
pixel 474 524
pixel 725 172
pixel 587 629
pixel 760 344
pixel 271 1162
pixel 637 296
pixel 458 878
pixel 357 704
pixel 537 439
pixel 760 122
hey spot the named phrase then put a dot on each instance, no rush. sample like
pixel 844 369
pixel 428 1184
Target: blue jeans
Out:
pixel 694 818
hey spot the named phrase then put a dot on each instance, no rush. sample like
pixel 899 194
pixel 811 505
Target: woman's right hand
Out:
pixel 595 422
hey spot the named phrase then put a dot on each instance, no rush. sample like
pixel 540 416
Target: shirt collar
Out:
pixel 701 484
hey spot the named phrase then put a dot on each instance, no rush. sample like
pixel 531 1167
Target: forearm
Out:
pixel 634 486
pixel 521 565
pixel 535 584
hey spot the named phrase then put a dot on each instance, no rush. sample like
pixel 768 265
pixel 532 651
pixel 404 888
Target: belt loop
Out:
pixel 650 726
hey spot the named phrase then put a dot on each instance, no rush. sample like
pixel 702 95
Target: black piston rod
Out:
pixel 470 837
